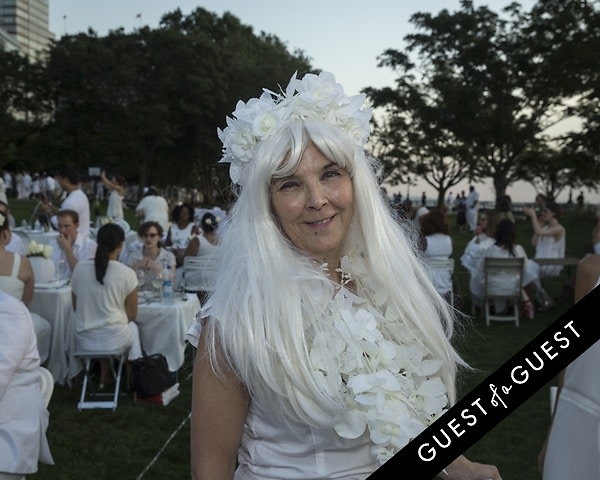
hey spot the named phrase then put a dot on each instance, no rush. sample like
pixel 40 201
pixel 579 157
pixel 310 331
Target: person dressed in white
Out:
pixel 549 237
pixel 182 230
pixel 27 185
pixel 23 414
pixel 17 279
pixel 70 246
pixel 3 197
pixel 153 207
pixel 472 208
pixel 313 254
pixel 105 300
pixel 438 244
pixel 15 244
pixel 203 245
pixel 115 197
pixel 572 444
pixel 76 200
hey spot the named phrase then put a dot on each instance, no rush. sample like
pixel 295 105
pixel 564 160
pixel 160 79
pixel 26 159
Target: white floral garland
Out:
pixel 313 96
pixel 392 388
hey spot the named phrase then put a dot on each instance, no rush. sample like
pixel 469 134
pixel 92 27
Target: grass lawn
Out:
pixel 152 442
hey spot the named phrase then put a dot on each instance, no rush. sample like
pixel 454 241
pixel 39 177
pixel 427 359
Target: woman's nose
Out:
pixel 316 196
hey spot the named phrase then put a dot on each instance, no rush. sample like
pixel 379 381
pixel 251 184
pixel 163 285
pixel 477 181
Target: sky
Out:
pixel 344 37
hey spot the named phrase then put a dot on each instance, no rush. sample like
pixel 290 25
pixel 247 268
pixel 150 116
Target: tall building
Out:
pixel 24 23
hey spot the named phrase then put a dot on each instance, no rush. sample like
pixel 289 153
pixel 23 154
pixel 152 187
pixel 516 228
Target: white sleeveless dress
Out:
pixel 574 444
pixel 14 287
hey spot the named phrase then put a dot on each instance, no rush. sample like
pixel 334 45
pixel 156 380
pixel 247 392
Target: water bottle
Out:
pixel 37 226
pixel 167 287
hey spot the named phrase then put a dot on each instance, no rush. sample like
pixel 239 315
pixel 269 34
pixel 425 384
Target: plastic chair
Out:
pixel 503 279
pixel 87 399
pixel 199 273
pixel 442 265
pixel 46 384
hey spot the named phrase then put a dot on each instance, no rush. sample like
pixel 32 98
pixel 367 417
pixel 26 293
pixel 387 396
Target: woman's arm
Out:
pixel 131 305
pixel 111 185
pixel 219 408
pixel 192 248
pixel 26 274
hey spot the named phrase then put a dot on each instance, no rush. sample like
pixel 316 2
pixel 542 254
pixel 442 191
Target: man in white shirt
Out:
pixel 70 246
pixel 472 208
pixel 75 200
pixel 153 207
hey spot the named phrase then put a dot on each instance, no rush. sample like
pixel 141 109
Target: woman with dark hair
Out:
pixel 152 257
pixel 181 230
pixel 205 243
pixel 105 300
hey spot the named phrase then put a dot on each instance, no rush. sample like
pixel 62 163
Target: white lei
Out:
pixel 393 388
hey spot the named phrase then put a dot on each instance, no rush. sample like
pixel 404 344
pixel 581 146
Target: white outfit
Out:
pixel 597 248
pixel 23 414
pixel 16 245
pixel 273 450
pixel 439 245
pixel 574 440
pixel 84 248
pixel 115 205
pixel 101 321
pixel 180 237
pixel 136 256
pixel 3 192
pixel 155 208
pixel 472 209
pixel 27 185
pixel 14 286
pixel 547 247
pixel 77 200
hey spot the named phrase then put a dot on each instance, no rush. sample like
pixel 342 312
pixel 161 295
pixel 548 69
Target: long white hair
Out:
pixel 268 294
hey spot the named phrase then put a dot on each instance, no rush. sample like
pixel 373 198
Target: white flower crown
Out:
pixel 314 96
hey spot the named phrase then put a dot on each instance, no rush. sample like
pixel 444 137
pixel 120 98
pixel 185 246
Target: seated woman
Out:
pixel 182 229
pixel 17 280
pixel 505 246
pixel 23 414
pixel 152 258
pixel 483 239
pixel 105 300
pixel 438 244
pixel 203 245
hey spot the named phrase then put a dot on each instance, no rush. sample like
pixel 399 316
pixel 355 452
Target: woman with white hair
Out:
pixel 319 295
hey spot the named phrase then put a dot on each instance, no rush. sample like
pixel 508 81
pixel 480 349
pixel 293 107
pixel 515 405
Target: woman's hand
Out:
pixel 464 469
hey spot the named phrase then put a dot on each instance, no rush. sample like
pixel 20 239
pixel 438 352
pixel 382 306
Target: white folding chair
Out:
pixel 199 273
pixel 46 384
pixel 88 399
pixel 503 278
pixel 442 265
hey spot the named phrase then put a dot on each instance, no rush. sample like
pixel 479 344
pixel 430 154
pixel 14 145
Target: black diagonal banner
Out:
pixel 499 394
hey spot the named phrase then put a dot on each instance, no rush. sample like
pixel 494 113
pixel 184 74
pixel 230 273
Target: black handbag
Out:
pixel 151 375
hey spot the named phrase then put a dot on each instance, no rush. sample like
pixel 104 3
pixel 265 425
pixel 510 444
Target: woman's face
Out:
pixel 184 216
pixel 483 222
pixel 315 206
pixel 151 237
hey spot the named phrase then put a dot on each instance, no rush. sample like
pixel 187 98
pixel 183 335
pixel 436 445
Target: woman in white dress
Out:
pixel 114 210
pixel 181 231
pixel 23 414
pixel 438 244
pixel 17 279
pixel 105 300
pixel 573 442
pixel 549 237
pixel 317 273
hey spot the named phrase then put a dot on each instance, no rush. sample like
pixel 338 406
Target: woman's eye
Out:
pixel 288 184
pixel 332 173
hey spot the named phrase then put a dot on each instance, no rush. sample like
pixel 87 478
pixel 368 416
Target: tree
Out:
pixel 478 80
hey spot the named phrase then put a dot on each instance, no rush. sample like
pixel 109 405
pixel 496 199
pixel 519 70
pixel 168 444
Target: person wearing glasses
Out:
pixel 152 257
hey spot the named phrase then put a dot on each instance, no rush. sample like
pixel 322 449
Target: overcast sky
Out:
pixel 344 37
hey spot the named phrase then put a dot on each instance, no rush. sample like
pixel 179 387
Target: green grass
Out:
pixel 100 445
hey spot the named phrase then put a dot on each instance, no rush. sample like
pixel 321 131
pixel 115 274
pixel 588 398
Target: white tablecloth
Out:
pixel 163 328
pixel 39 235
pixel 55 305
